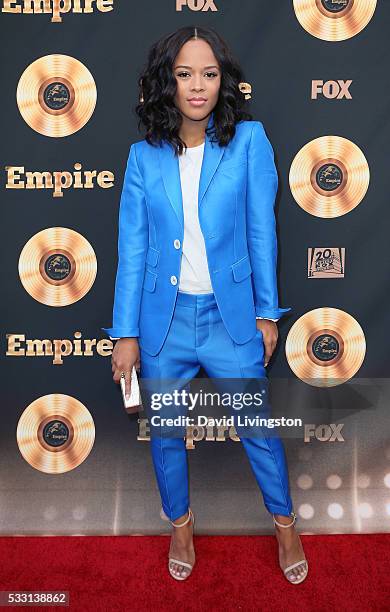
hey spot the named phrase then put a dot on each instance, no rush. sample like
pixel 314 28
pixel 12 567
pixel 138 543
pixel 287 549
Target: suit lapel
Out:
pixel 170 171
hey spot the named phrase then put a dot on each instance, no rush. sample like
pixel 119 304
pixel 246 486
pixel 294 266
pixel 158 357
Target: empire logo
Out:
pixel 18 346
pixel 17 178
pixel 56 7
pixel 331 89
pixel 196 5
pixel 210 433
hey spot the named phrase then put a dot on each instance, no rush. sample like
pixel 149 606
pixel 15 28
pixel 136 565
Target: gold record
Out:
pixel 55 433
pixel 325 347
pixel 57 266
pixel 334 20
pixel 56 95
pixel 329 176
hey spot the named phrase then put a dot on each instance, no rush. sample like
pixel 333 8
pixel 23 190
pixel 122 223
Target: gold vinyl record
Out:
pixel 55 433
pixel 329 176
pixel 325 347
pixel 57 266
pixel 56 95
pixel 334 20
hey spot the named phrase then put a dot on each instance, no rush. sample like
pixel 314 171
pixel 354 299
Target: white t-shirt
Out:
pixel 194 271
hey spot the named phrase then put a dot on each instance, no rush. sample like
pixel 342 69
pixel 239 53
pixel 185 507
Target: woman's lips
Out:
pixel 197 102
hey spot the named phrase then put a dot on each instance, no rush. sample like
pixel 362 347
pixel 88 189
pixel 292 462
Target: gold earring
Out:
pixel 245 88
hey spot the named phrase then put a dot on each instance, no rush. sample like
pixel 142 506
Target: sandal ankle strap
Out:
pixel 189 517
pixel 293 514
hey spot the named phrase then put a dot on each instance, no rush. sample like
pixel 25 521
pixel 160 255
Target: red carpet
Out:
pixel 104 573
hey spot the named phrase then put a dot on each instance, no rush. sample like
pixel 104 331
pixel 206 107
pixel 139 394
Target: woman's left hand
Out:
pixel 270 333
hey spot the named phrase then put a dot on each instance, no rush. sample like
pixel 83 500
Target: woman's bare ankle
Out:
pixel 179 521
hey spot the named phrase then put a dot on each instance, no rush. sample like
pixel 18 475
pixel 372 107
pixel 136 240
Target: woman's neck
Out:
pixel 193 132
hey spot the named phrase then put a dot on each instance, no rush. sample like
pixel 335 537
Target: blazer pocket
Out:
pixel 152 256
pixel 149 280
pixel 241 269
pixel 233 162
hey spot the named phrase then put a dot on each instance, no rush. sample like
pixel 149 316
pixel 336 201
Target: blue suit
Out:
pixel 180 332
pixel 237 189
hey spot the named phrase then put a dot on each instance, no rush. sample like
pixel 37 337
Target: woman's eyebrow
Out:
pixel 182 66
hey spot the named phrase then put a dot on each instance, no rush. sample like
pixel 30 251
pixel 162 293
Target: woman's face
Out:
pixel 198 76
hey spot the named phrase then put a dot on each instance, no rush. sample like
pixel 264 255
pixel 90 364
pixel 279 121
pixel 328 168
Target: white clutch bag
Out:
pixel 134 403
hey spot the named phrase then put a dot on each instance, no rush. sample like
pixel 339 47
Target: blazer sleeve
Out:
pixel 262 186
pixel 132 249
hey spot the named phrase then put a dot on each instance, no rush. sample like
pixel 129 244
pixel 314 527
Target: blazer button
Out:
pixel 176 244
pixel 173 280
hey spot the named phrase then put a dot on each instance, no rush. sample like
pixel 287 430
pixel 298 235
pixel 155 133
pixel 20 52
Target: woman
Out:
pixel 196 277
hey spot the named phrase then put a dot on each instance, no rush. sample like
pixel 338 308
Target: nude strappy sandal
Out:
pixel 171 559
pixel 290 567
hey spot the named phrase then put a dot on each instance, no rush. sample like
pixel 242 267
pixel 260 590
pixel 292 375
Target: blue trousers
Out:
pixel 198 337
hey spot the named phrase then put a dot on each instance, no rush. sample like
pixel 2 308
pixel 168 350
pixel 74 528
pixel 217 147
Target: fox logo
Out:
pixel 324 433
pixel 331 89
pixel 196 5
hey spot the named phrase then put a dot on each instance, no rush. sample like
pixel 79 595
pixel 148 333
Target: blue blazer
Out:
pixel 237 189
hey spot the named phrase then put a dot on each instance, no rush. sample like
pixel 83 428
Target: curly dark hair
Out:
pixel 158 112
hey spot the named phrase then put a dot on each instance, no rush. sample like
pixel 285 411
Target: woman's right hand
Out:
pixel 124 355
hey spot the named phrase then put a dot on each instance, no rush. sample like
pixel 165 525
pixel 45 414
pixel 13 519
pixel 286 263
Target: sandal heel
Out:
pixel 171 559
pixel 302 561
